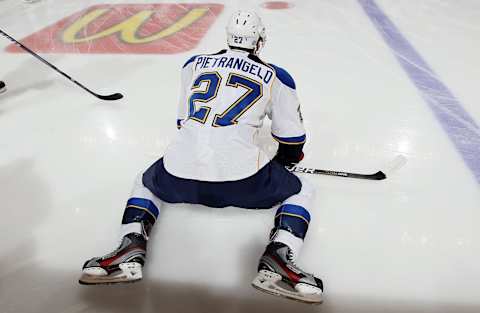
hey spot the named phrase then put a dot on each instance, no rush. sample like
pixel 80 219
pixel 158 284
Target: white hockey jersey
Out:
pixel 224 99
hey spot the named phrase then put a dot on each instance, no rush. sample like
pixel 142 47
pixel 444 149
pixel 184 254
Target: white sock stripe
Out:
pixel 305 197
pixel 140 191
pixel 126 229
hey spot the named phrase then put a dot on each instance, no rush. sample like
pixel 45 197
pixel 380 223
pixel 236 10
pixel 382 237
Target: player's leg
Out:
pixel 3 87
pixel 277 272
pixel 126 262
pixel 271 185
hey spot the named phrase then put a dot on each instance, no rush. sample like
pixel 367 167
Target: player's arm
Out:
pixel 186 79
pixel 287 122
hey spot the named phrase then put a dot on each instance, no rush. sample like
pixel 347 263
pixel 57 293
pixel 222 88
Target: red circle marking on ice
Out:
pixel 277 5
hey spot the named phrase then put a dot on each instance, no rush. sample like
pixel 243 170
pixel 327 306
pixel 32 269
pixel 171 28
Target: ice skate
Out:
pixel 3 87
pixel 279 276
pixel 123 265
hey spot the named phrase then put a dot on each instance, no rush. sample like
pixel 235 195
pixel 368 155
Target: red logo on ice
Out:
pixel 126 28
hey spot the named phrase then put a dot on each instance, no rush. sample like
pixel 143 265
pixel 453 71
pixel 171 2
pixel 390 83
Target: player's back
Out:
pixel 224 99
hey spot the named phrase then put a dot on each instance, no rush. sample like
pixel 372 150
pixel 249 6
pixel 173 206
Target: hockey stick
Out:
pixel 114 96
pixel 398 162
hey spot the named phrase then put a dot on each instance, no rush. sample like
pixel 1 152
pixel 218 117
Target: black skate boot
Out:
pixel 278 275
pixel 3 87
pixel 123 265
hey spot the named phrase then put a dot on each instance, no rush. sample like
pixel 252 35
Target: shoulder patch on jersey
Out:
pixel 284 76
pixel 190 60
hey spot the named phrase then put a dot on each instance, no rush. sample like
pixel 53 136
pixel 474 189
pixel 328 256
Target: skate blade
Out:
pixel 128 273
pixel 270 282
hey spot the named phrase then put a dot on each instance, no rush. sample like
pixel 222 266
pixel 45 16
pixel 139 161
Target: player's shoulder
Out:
pixel 283 76
pixel 190 61
pixel 255 58
pixel 193 58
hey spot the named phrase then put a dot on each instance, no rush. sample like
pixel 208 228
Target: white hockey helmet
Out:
pixel 245 30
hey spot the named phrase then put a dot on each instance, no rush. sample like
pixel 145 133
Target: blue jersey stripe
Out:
pixel 290 140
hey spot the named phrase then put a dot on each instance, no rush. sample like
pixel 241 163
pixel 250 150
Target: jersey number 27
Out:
pixel 230 116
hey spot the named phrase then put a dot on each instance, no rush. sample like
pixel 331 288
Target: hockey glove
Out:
pixel 289 155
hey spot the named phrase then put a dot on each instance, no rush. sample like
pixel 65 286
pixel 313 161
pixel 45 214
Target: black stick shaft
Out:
pixel 108 97
pixel 376 176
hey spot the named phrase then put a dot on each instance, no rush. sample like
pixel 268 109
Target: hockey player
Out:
pixel 3 87
pixel 215 161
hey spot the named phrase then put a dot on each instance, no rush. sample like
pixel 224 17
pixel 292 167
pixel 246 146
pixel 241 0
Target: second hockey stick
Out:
pixel 398 162
pixel 114 96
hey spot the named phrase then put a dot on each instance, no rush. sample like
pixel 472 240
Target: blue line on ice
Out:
pixel 457 123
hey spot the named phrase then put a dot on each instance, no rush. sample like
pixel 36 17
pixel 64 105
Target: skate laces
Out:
pixel 290 256
pixel 144 232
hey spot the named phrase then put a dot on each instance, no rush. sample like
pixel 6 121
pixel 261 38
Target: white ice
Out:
pixel 410 243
